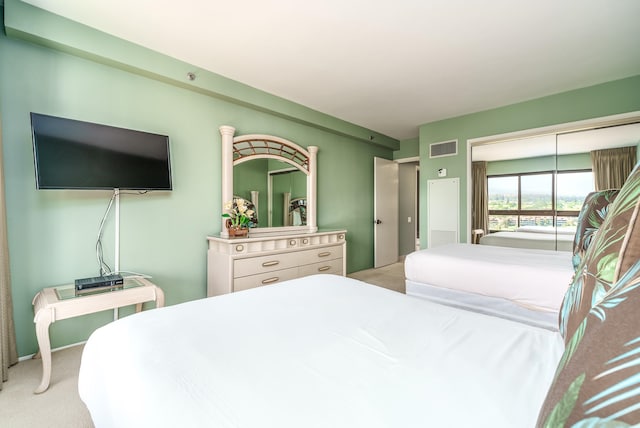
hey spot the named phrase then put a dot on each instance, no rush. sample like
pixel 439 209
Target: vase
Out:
pixel 237 231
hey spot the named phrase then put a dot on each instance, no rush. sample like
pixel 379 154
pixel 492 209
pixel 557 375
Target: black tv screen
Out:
pixel 71 154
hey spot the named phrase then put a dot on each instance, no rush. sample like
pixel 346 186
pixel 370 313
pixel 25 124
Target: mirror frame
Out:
pixel 243 148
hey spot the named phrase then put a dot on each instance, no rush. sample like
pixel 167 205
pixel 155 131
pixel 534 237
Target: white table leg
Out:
pixel 159 297
pixel 43 320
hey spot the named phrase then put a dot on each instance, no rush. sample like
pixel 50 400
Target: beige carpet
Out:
pixel 59 406
pixel 391 277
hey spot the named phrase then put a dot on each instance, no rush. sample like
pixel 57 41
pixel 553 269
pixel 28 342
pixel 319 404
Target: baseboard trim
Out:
pixel 30 356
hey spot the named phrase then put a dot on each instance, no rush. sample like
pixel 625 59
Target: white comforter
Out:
pixel 535 279
pixel 321 351
pixel 523 239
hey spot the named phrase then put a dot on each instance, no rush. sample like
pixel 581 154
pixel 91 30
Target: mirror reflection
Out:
pixel 528 192
pixel 278 191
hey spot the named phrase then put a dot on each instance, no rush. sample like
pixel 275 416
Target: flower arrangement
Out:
pixel 239 213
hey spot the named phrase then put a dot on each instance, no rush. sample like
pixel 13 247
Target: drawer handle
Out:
pixel 271 263
pixel 325 254
pixel 324 268
pixel 270 280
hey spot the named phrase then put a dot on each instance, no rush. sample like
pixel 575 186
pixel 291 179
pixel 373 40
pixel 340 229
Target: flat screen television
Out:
pixel 71 154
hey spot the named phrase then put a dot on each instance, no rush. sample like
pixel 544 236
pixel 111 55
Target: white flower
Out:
pixel 238 212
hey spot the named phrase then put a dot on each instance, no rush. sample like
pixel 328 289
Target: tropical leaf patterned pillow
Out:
pixel 598 270
pixel 597 382
pixel 592 215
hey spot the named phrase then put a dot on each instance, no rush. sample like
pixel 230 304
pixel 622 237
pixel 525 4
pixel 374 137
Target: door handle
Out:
pixel 378 221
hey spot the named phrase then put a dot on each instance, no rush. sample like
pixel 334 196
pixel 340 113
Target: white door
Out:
pixel 385 201
pixel 443 210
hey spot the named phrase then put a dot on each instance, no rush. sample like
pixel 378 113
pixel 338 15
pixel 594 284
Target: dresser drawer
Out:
pixel 262 264
pixel 328 266
pixel 267 278
pixel 319 254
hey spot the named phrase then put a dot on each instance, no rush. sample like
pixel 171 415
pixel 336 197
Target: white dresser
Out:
pixel 235 264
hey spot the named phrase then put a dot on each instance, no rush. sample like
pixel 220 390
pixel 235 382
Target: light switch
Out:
pixel 408 219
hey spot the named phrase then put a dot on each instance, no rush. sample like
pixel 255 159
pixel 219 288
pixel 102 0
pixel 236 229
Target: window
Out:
pixel 503 197
pixel 536 192
pixel 503 193
pixel 572 188
pixel 536 199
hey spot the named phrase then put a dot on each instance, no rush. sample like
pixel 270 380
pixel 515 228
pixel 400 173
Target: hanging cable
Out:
pixel 103 267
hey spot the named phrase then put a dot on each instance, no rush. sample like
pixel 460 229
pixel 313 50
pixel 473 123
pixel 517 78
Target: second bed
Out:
pixel 525 285
pixel 527 238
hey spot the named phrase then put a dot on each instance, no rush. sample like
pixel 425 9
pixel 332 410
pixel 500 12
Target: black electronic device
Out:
pixel 99 281
pixel 71 154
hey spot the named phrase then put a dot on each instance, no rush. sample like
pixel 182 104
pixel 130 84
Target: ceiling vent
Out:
pixel 445 148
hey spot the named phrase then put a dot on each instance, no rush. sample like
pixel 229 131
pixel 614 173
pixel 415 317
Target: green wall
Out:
pixel 408 149
pixel 52 234
pixel 250 176
pixel 515 166
pixel 293 182
pixel 620 96
pixel 574 161
pixel 540 163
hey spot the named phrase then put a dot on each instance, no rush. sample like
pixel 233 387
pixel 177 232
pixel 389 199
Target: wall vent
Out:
pixel 445 148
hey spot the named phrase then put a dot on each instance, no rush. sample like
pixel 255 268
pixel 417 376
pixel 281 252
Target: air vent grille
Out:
pixel 445 148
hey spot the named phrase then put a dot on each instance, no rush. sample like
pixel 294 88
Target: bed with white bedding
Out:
pixel 526 285
pixel 530 239
pixel 319 351
pixel 550 230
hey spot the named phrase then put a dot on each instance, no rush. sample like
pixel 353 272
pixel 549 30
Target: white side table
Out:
pixel 58 303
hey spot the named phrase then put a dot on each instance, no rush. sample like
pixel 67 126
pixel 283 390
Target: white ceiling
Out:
pixel 389 66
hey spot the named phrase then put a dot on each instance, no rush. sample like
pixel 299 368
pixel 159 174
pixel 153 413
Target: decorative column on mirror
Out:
pixel 254 201
pixel 311 189
pixel 227 133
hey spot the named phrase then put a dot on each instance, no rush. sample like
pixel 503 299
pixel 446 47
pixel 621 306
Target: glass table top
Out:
pixel 68 291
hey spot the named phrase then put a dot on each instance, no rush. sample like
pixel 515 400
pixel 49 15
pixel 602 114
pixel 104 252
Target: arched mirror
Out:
pixel 277 175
